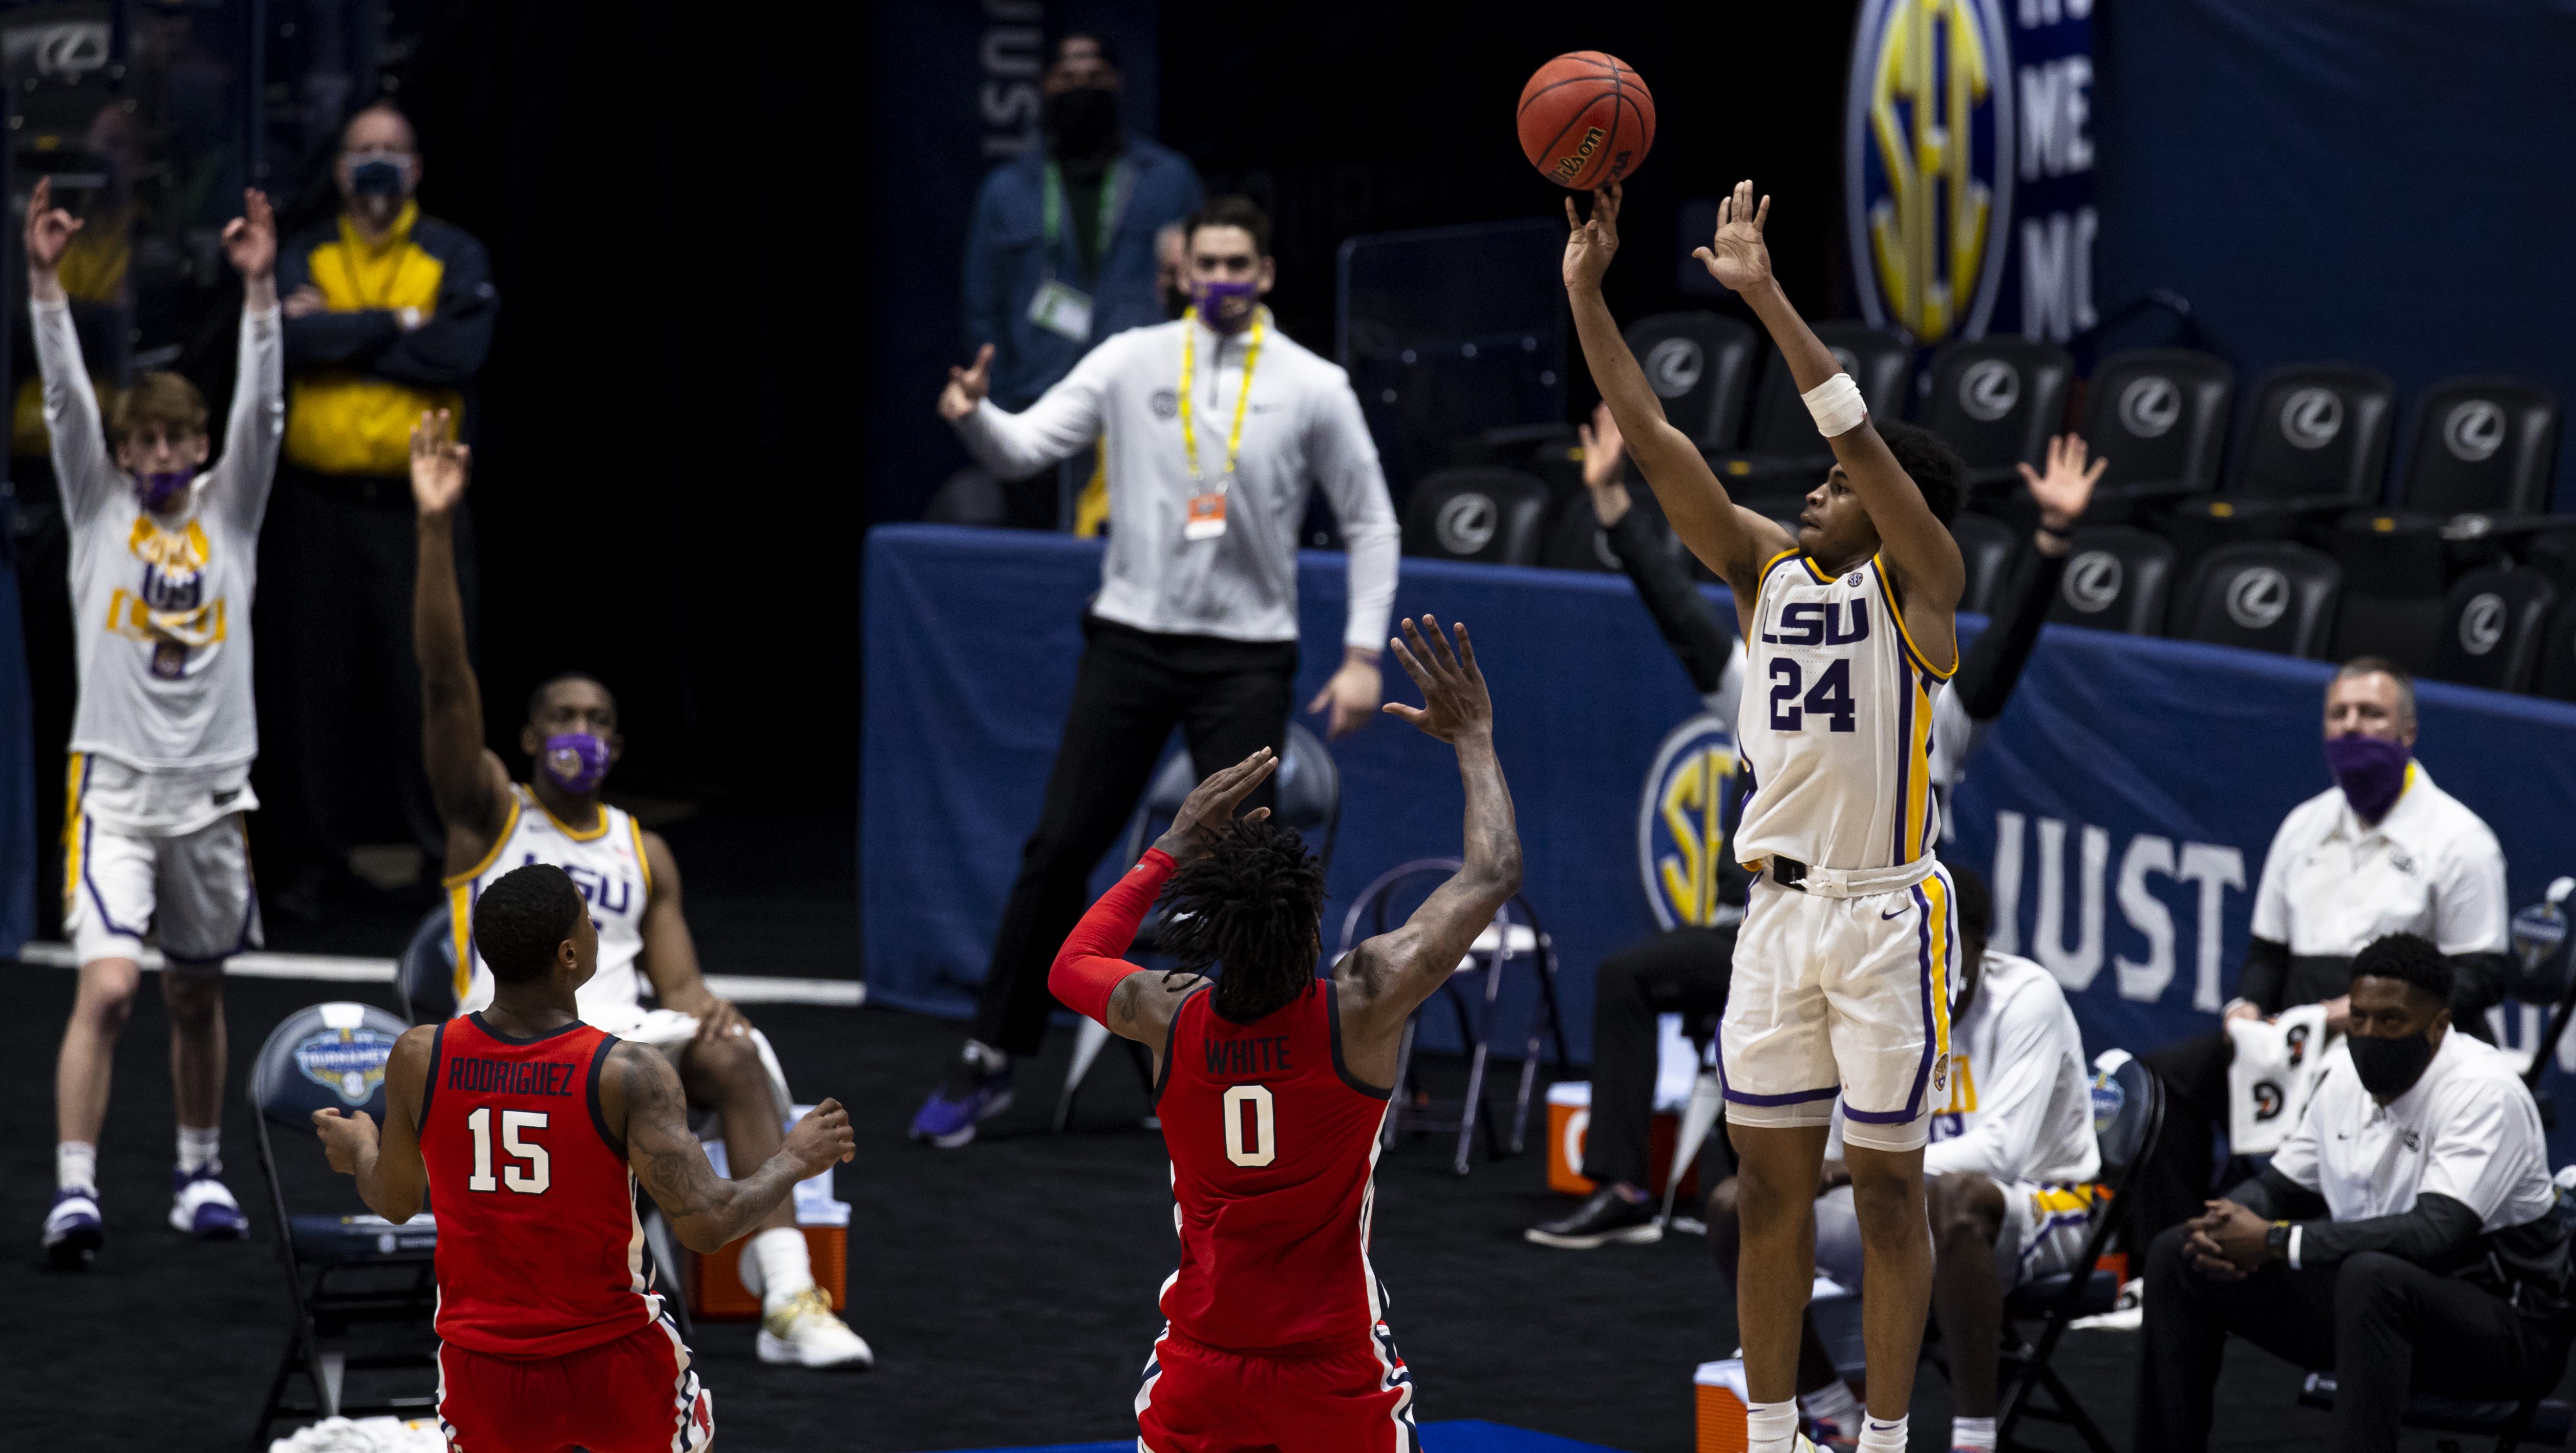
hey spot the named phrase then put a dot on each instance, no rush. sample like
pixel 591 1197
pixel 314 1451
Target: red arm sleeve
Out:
pixel 1088 967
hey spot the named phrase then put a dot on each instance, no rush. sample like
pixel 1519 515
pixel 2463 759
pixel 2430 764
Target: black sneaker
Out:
pixel 1607 1217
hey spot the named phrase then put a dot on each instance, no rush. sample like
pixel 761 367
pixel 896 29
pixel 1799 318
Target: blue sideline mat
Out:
pixel 1463 1435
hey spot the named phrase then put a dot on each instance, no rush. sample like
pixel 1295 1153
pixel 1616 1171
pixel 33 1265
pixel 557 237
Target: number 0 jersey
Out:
pixel 539 1251
pixel 1274 1154
pixel 1836 722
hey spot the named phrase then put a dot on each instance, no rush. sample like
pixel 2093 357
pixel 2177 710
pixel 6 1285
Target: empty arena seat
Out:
pixel 2404 626
pixel 1576 540
pixel 2477 480
pixel 2263 595
pixel 2555 674
pixel 2157 417
pixel 343 1271
pixel 2314 445
pixel 1997 401
pixel 1986 548
pixel 1492 515
pixel 1701 365
pixel 425 975
pixel 1783 454
pixel 2492 626
pixel 2117 578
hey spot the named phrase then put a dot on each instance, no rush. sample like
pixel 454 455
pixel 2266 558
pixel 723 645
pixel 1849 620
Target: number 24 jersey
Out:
pixel 1836 721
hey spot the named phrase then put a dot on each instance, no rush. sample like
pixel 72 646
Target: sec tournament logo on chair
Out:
pixel 349 1061
pixel 1682 821
pixel 1928 147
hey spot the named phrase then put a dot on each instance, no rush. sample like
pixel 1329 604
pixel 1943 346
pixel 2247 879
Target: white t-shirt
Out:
pixel 2331 884
pixel 2466 1129
pixel 161 603
pixel 2021 1100
pixel 1301 424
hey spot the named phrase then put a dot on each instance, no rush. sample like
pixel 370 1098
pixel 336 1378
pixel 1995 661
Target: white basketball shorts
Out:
pixel 194 889
pixel 2043 1233
pixel 1841 997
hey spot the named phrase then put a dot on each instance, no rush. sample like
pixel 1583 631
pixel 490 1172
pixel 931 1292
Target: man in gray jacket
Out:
pixel 1215 425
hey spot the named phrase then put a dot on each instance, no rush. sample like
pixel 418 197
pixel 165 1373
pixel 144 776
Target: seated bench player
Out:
pixel 632 883
pixel 2009 1176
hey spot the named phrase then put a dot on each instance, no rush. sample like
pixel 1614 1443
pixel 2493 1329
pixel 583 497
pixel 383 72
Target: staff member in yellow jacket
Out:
pixel 388 315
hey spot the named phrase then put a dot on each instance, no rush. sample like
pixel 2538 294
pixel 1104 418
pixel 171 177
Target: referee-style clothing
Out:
pixel 2331 884
pixel 1195 624
pixel 2426 1253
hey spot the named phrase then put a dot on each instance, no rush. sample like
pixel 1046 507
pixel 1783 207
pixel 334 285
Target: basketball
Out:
pixel 1586 120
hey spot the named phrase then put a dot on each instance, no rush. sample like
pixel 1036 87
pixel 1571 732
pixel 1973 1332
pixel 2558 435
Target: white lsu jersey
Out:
pixel 607 864
pixel 1836 722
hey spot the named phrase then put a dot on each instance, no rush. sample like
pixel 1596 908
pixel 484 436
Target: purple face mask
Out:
pixel 162 487
pixel 1226 307
pixel 2370 771
pixel 575 760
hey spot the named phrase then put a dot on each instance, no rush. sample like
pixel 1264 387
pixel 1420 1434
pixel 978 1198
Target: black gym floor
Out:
pixel 1007 1288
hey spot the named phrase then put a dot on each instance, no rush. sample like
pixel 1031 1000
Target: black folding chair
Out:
pixel 2128 1115
pixel 425 975
pixel 342 1272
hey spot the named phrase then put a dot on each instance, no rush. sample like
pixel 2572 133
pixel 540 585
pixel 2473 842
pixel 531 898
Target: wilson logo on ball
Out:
pixel 1572 163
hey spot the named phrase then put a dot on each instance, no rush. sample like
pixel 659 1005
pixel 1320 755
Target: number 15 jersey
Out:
pixel 1274 1154
pixel 1836 722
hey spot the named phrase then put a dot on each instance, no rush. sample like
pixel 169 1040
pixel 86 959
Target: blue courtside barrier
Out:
pixel 2128 794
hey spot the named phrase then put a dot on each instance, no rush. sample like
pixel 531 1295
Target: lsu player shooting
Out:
pixel 1840 985
pixel 632 883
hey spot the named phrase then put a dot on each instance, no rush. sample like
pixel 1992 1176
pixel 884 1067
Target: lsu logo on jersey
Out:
pixel 1951 1118
pixel 1927 157
pixel 168 610
pixel 1683 823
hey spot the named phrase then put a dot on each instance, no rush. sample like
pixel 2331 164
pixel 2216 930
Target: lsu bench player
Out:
pixel 495 825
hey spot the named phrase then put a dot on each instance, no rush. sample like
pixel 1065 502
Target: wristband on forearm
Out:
pixel 1837 406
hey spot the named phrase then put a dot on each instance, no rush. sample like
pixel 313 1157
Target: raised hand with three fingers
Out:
pixel 440 465
pixel 1593 242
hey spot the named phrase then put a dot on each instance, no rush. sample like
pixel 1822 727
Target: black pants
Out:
pixel 2385 1327
pixel 1682 971
pixel 340 728
pixel 1133 687
pixel 2173 1183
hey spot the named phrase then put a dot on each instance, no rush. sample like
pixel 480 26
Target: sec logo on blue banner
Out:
pixel 1928 163
pixel 1682 821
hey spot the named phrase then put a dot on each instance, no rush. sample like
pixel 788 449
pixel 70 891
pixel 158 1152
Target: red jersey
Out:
pixel 539 1251
pixel 1274 1153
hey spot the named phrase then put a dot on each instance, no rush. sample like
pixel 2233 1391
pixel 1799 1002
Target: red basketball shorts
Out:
pixel 638 1394
pixel 1198 1399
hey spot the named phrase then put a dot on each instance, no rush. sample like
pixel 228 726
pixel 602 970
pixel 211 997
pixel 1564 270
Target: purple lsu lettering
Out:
pixel 1819 623
pixel 611 893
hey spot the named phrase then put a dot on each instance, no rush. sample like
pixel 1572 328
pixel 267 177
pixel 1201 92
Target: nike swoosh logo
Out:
pixel 1898 913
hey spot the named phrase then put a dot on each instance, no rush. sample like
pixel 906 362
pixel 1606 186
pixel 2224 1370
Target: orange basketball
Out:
pixel 1586 120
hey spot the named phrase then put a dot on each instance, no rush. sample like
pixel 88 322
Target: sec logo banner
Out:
pixel 1928 163
pixel 1682 822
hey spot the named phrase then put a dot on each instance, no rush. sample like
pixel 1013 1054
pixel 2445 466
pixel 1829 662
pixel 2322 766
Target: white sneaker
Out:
pixel 2128 1312
pixel 805 1333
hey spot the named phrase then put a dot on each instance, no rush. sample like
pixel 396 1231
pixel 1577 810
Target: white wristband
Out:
pixel 1836 405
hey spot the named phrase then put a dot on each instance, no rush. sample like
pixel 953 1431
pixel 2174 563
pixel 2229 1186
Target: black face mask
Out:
pixel 1082 123
pixel 2391 1066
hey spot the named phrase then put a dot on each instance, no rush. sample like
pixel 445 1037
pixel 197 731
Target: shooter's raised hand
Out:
pixel 1454 700
pixel 1208 812
pixel 1591 244
pixel 1737 256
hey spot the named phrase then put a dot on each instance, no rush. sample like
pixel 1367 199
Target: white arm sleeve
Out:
pixel 2012 1097
pixel 83 471
pixel 1064 420
pixel 1345 460
pixel 257 425
pixel 2469 910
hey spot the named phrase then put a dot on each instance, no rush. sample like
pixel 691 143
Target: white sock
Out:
pixel 76 1166
pixel 779 1264
pixel 200 1149
pixel 1834 1403
pixel 1878 1437
pixel 1978 1433
pixel 990 1060
pixel 1771 1427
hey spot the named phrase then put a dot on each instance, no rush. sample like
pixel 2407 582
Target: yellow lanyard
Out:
pixel 1189 368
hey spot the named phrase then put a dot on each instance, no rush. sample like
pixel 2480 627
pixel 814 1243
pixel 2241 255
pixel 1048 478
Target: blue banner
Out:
pixel 1968 167
pixel 2122 805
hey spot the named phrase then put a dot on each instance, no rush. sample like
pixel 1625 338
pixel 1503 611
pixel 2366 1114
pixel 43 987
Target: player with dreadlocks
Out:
pixel 1272 1084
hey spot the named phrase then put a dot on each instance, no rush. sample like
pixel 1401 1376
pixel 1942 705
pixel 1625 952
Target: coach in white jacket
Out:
pixel 1216 425
pixel 2009 1174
